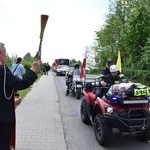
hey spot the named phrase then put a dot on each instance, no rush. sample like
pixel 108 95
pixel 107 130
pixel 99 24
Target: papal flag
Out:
pixel 119 62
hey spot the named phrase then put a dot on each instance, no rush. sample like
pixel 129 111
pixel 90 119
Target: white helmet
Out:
pixel 113 68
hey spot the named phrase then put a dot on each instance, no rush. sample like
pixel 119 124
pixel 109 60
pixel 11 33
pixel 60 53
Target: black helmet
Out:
pixel 109 62
pixel 76 66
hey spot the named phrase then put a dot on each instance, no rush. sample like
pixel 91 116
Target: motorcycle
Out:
pixel 125 106
pixel 75 84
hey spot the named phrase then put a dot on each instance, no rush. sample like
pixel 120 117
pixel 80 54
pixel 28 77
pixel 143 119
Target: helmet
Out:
pixel 109 62
pixel 76 66
pixel 113 68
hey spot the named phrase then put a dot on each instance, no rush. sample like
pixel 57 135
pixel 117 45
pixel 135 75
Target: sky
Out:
pixel 69 30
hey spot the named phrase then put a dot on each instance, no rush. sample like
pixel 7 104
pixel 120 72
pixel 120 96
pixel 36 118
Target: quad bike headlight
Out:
pixel 109 110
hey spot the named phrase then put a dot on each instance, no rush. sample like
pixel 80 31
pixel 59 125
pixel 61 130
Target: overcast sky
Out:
pixel 70 27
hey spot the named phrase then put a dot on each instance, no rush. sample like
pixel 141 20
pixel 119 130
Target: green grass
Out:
pixel 24 92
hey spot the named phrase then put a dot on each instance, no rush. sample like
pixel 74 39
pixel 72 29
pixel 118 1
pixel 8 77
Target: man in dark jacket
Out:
pixel 114 77
pixel 47 68
pixel 106 70
pixel 70 77
pixel 9 82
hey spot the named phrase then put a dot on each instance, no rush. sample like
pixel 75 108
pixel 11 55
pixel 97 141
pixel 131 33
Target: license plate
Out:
pixel 141 92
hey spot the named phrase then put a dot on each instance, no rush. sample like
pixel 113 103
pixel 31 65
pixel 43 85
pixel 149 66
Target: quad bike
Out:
pixel 76 84
pixel 122 107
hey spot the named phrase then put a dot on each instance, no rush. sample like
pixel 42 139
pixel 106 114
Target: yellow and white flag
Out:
pixel 119 62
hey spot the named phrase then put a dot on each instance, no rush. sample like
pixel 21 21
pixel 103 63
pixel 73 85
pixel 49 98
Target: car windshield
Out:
pixel 59 67
pixel 65 68
pixel 62 67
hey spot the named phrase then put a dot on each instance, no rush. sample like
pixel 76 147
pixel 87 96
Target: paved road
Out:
pixel 38 120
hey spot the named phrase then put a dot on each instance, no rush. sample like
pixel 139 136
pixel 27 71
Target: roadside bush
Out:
pixel 142 76
pixel 27 66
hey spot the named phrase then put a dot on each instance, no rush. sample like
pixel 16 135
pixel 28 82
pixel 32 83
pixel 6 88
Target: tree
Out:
pixel 9 61
pixel 145 58
pixel 137 31
pixel 27 61
pixel 126 29
pixel 28 58
pixel 73 62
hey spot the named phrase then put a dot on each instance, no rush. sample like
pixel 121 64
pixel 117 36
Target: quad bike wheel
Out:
pixel 145 136
pixel 83 111
pixel 78 93
pixel 103 130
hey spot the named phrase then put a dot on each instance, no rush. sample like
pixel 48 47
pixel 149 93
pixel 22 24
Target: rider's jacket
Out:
pixel 105 71
pixel 113 80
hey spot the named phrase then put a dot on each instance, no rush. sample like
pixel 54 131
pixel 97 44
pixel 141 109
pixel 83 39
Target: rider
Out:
pixel 114 77
pixel 70 77
pixel 106 70
pixel 103 72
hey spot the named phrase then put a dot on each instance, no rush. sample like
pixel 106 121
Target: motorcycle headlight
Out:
pixel 78 79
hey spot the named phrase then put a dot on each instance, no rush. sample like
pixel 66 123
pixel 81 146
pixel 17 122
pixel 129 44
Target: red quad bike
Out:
pixel 125 106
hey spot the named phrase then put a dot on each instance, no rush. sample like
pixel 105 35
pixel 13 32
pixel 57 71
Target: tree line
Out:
pixel 126 28
pixel 27 61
